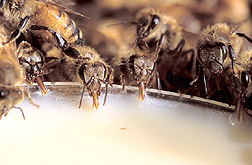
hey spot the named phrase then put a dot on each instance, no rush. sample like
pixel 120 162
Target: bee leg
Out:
pixel 123 82
pixel 2 2
pixel 110 76
pixel 62 43
pixel 82 94
pixel 123 69
pixel 159 44
pixel 205 84
pixel 231 55
pixel 28 97
pixel 159 87
pixel 106 93
pixel 3 112
pixel 245 36
pixel 16 33
pixel 20 110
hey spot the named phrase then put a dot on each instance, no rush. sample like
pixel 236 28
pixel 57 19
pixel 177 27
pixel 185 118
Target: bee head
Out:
pixel 212 57
pixel 10 97
pixel 92 75
pixel 146 25
pixel 142 68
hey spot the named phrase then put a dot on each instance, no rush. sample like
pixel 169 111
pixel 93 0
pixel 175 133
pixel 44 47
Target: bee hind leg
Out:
pixel 61 42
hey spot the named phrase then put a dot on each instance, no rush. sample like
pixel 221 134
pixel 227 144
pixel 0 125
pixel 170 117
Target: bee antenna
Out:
pixel 123 23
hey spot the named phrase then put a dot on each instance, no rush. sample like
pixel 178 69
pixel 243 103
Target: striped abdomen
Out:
pixel 54 18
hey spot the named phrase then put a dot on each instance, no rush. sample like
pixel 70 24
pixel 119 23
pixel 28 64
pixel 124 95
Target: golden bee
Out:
pixel 90 70
pixel 46 19
pixel 11 74
pixel 135 67
pixel 34 63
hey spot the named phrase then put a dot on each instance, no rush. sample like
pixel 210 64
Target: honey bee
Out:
pixel 11 74
pixel 136 67
pixel 217 46
pixel 156 30
pixel 90 70
pixel 34 64
pixel 243 84
pixel 10 97
pixel 220 54
pixel 46 19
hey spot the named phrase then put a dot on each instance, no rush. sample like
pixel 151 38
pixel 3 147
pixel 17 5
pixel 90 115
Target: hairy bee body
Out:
pixel 223 59
pixel 211 43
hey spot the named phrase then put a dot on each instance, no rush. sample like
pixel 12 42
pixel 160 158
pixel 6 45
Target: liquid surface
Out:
pixel 124 131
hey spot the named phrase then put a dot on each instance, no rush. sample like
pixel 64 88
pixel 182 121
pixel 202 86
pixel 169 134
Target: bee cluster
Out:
pixel 201 48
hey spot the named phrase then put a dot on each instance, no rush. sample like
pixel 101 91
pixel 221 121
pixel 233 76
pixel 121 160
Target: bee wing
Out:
pixel 62 7
pixel 190 37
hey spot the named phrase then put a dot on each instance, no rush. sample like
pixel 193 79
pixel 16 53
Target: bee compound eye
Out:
pixel 3 94
pixel 245 79
pixel 154 22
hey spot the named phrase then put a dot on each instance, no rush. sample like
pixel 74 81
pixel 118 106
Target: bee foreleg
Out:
pixel 159 44
pixel 231 55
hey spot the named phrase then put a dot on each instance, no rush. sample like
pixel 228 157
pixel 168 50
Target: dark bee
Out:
pixel 90 70
pixel 34 64
pixel 218 47
pixel 136 67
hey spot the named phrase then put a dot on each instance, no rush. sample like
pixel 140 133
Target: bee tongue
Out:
pixel 141 91
pixel 41 85
pixel 95 100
